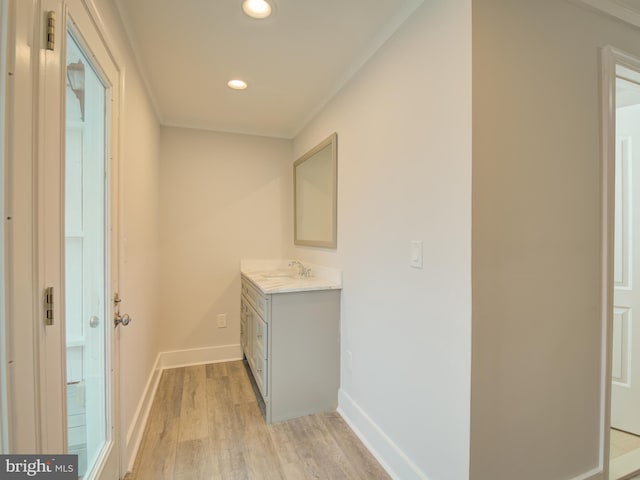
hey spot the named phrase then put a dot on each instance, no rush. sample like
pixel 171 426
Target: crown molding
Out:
pixel 615 9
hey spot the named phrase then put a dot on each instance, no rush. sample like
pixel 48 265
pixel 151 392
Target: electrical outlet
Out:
pixel 222 320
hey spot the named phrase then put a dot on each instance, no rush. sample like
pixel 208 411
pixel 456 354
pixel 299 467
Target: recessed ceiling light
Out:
pixel 237 84
pixel 256 8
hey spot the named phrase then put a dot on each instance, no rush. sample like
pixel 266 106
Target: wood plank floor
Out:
pixel 623 442
pixel 205 424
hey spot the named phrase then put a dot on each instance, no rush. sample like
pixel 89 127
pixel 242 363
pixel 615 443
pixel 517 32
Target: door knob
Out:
pixel 121 319
pixel 94 321
pixel 117 318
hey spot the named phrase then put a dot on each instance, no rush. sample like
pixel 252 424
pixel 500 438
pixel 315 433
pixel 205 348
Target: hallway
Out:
pixel 205 424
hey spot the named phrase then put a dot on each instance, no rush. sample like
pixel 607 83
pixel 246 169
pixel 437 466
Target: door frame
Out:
pixel 611 57
pixel 50 191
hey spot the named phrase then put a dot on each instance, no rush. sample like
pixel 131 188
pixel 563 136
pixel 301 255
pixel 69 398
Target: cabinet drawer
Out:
pixel 255 297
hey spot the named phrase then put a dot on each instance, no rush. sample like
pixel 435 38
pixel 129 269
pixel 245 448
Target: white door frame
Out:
pixel 610 59
pixel 50 123
pixel 22 289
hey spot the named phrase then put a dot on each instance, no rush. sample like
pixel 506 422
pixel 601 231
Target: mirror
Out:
pixel 315 195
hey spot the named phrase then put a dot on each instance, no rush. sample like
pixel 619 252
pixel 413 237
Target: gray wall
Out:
pixel 537 332
pixel 224 197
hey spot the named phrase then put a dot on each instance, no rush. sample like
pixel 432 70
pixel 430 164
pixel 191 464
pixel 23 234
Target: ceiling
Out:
pixel 627 94
pixel 293 61
pixel 627 86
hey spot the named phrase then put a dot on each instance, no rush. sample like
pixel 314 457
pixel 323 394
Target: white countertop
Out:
pixel 277 277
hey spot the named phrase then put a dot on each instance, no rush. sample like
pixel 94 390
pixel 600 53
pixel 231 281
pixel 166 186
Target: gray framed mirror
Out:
pixel 315 192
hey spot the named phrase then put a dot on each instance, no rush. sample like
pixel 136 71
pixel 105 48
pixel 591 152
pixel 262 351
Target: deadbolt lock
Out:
pixel 118 319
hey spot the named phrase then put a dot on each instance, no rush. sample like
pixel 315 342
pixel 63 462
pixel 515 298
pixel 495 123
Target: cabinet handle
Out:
pixel 260 336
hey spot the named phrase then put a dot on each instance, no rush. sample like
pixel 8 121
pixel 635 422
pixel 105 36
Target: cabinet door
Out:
pixel 249 315
pixel 257 330
pixel 260 333
pixel 260 374
pixel 243 325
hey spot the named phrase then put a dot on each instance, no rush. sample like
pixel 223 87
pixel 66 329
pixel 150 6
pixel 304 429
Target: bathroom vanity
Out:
pixel 290 337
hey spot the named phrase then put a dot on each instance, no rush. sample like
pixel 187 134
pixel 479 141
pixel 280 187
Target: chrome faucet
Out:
pixel 303 272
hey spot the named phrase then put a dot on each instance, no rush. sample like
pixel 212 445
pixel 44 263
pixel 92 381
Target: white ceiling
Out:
pixel 627 87
pixel 627 93
pixel 294 61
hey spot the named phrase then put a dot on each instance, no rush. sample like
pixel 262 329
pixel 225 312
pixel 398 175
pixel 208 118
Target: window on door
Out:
pixel 85 259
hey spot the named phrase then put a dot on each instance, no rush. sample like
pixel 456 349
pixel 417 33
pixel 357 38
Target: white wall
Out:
pixel 139 229
pixel 537 237
pixel 404 173
pixel 223 197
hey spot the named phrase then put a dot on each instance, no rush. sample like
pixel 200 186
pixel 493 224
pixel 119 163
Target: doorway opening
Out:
pixel 623 141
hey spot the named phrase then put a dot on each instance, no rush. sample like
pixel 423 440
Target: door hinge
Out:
pixel 51 30
pixel 48 306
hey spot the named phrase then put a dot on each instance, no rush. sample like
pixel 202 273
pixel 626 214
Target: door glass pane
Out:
pixel 85 259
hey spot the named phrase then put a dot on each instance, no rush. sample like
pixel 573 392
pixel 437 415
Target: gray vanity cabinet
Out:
pixel 291 341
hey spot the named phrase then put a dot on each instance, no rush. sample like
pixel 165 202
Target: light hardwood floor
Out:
pixel 205 424
pixel 623 442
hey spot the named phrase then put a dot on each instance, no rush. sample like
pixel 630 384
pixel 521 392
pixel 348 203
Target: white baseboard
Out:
pixel 387 453
pixel 139 421
pixel 595 474
pixel 199 356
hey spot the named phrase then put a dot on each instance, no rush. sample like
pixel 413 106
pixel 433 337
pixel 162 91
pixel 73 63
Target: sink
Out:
pixel 279 274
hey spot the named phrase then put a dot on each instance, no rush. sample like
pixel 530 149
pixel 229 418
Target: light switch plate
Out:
pixel 222 320
pixel 416 254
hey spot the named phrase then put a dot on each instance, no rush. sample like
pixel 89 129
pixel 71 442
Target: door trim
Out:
pixel 115 212
pixel 611 57
pixel 49 200
pixel 614 9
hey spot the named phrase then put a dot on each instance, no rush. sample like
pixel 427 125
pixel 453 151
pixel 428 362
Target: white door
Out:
pixel 79 85
pixel 625 392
